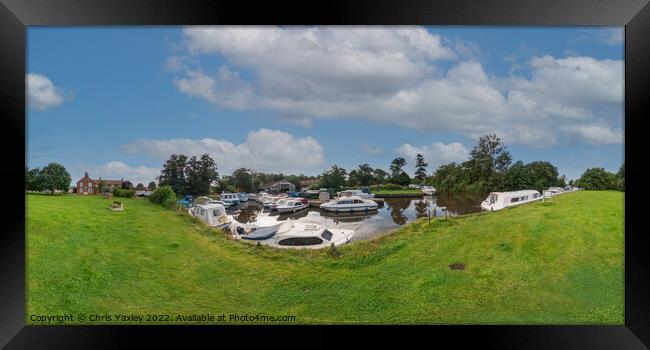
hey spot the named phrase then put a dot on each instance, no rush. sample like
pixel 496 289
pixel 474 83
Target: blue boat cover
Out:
pixel 262 233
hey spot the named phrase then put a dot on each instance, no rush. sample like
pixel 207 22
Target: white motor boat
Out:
pixel 271 201
pixel 292 205
pixel 500 200
pixel 358 193
pixel 349 204
pixel 292 234
pixel 428 190
pixel 240 228
pixel 212 214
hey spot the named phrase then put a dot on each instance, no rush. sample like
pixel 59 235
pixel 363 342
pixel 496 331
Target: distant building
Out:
pixel 86 185
pixel 281 186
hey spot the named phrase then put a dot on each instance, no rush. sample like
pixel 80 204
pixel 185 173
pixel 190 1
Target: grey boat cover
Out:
pixel 262 233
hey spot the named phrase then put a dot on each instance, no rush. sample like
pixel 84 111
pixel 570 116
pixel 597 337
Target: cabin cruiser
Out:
pixel 292 205
pixel 500 200
pixel 271 201
pixel 212 214
pixel 243 196
pixel 358 193
pixel 279 202
pixel 240 228
pixel 230 198
pixel 428 190
pixel 293 234
pixel 349 204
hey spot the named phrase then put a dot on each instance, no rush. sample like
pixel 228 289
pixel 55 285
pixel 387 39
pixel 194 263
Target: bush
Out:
pixel 163 194
pixel 391 187
pixel 125 193
pixel 170 203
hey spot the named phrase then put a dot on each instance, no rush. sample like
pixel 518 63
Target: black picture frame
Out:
pixel 15 15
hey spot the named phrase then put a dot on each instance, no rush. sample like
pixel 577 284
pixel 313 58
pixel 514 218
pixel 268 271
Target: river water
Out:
pixel 395 213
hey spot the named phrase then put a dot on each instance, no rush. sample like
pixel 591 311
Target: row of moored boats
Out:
pixel 500 200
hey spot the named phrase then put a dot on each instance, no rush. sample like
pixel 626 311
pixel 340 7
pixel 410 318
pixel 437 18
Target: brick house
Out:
pixel 86 185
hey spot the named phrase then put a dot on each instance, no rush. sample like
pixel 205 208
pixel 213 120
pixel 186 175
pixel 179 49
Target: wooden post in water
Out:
pixel 429 217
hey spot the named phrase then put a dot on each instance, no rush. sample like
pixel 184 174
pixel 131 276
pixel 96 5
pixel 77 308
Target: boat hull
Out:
pixel 342 209
pixel 283 210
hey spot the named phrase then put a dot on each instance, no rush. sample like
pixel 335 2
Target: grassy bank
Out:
pixel 397 193
pixel 559 262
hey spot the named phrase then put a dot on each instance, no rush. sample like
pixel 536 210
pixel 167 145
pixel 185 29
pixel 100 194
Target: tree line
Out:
pixel 489 167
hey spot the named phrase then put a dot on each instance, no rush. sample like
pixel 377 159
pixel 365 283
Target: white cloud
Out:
pixel 436 154
pixel 41 92
pixel 116 170
pixel 596 134
pixel 370 149
pixel 393 75
pixel 264 150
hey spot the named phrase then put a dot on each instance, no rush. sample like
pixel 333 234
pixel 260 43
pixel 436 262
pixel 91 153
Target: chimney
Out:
pixel 86 174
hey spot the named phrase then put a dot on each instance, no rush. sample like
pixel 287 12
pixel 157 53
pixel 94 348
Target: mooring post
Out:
pixel 429 216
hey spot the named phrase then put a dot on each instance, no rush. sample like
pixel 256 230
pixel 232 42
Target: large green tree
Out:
pixel 33 180
pixel 420 169
pixel 152 185
pixel 242 179
pixel 173 174
pixel 488 162
pixel 200 173
pixel 379 176
pixel 333 178
pixel 397 175
pixel 597 179
pixel 450 178
pixel 55 177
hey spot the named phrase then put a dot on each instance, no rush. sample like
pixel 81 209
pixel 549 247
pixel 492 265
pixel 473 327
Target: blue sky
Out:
pixel 116 101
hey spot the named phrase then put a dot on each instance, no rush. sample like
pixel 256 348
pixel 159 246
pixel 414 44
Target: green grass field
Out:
pixel 539 263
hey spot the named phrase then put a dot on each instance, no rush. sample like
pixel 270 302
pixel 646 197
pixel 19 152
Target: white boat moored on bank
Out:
pixel 349 204
pixel 292 205
pixel 428 190
pixel 212 214
pixel 358 193
pixel 500 200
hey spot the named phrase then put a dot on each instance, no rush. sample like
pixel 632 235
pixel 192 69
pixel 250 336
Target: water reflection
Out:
pixel 396 212
pixel 421 208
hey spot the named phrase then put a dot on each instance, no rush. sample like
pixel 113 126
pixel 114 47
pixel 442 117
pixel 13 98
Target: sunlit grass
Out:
pixel 542 263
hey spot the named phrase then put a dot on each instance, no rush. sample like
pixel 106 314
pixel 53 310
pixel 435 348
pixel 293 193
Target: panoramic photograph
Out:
pixel 244 175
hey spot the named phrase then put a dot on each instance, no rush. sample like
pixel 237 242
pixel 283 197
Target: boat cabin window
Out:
pixel 216 212
pixel 327 235
pixel 535 195
pixel 297 204
pixel 493 198
pixel 300 241
pixel 516 199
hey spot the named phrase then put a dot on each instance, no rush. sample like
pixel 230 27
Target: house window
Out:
pixel 90 190
pixel 90 184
